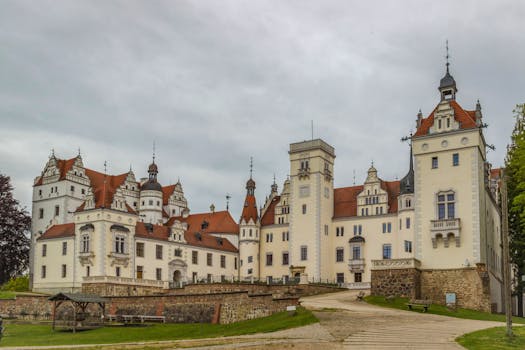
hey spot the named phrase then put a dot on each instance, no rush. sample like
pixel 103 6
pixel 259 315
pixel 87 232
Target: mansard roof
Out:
pixel 466 119
pixel 345 198
pixel 212 222
pixel 59 231
pixel 268 217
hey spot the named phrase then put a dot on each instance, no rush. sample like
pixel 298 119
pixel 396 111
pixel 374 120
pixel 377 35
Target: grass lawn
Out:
pixel 493 339
pixel 26 334
pixel 400 303
pixel 7 295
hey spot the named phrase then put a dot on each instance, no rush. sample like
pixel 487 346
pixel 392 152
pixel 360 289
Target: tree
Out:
pixel 15 224
pixel 515 170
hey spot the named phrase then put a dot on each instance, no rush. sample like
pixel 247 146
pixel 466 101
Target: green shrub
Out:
pixel 17 284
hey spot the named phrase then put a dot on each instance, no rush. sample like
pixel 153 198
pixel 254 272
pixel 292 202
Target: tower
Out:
pixel 249 229
pixel 311 208
pixel 151 197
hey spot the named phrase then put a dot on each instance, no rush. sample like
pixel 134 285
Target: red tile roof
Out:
pixel 167 191
pixel 63 165
pixel 158 232
pixel 105 191
pixel 269 216
pixel 345 198
pixel 345 201
pixel 495 173
pixel 59 231
pixel 206 240
pixel 466 119
pixel 249 211
pixel 218 222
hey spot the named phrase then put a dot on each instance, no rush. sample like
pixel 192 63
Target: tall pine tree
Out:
pixel 15 224
pixel 515 170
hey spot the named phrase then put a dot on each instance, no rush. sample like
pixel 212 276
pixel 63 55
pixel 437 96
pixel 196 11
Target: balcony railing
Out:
pixel 356 264
pixel 393 264
pixel 445 224
pixel 357 285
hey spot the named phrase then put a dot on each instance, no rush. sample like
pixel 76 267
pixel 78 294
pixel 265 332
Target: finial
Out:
pixel 178 179
pixel 153 151
pixel 251 167
pixel 52 153
pixel 447 56
pixel 372 162
pixel 354 177
pixel 274 178
pixel 228 201
pixel 79 151
pixel 105 167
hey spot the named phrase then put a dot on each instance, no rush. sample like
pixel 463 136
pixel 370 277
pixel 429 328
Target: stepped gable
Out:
pixel 269 215
pixel 63 165
pixel 58 231
pixel 466 119
pixel 167 191
pixel 152 231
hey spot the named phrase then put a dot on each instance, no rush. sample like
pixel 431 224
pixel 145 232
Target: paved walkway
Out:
pixel 344 324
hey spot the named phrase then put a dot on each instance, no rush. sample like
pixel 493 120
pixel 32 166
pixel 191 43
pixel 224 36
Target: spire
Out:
pixel 274 185
pixel 251 167
pixel 250 184
pixel 249 210
pixel 447 85
pixel 406 185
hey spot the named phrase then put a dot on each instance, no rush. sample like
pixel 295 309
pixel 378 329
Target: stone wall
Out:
pixel 225 307
pixel 398 282
pixel 115 289
pixel 471 285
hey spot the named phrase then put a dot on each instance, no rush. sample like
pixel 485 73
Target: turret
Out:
pixel 151 197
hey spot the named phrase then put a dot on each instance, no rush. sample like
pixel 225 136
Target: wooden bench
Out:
pixel 416 302
pixel 136 318
pixel 360 296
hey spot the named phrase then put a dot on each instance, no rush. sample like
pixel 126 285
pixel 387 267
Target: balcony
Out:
pixel 445 225
pixel 357 285
pixel 446 229
pixel 86 258
pixel 394 264
pixel 356 265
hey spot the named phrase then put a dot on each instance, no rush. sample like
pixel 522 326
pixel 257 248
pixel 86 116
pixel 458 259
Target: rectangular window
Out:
pixel 355 230
pixel 408 246
pixel 326 230
pixel 158 274
pixel 57 210
pixel 43 271
pixel 158 252
pixel 356 252
pixel 304 208
pixel 41 213
pixel 387 251
pixel 178 252
pixel 250 271
pixel 360 229
pixel 72 188
pixel 285 258
pixel 455 159
pixel 407 223
pixel 140 249
pixel 140 272
pixel 384 227
pixel 389 227
pixel 223 261
pixel 83 191
pixel 64 270
pixel 250 259
pixel 446 206
pixel 337 231
pixel 340 277
pixel 339 255
pixel 304 253
pixel 209 259
pixel 64 248
pixel 117 271
pixel 358 277
pixel 434 162
pixel 269 259
pixel 44 249
pixel 194 257
pixel 88 270
pixel 119 244
pixel 85 244
pixel 235 263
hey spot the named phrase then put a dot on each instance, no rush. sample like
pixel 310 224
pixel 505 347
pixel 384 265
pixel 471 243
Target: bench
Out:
pixel 136 318
pixel 415 302
pixel 360 296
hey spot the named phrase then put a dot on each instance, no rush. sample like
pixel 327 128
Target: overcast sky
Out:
pixel 215 82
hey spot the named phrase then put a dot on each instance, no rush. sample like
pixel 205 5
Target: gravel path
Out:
pixel 344 324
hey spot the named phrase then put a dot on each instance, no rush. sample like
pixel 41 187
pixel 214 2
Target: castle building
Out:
pixel 437 230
